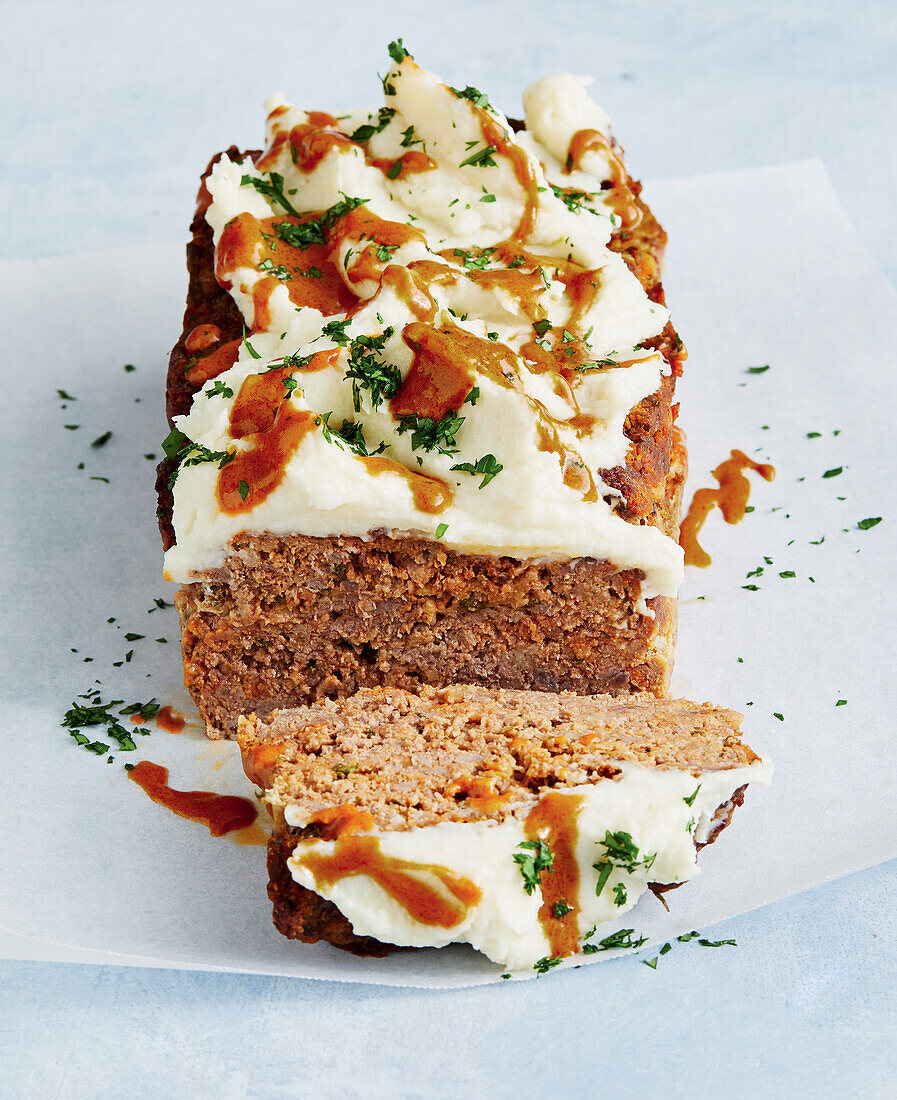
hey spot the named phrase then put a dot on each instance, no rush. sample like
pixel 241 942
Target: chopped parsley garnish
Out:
pixel 384 251
pixel 409 138
pixel 397 51
pixel 432 435
pixel 542 327
pixel 243 489
pixel 542 966
pixel 841 703
pixel 336 331
pixel 94 712
pixel 342 771
pixel 174 443
pixel 689 936
pixel 532 866
pixel 758 370
pixel 313 272
pixel 393 171
pixel 278 271
pixel 367 131
pixel 690 801
pixel 441 530
pixel 366 371
pixel 834 472
pixel 871 521
pixel 561 909
pixel 472 397
pixel 219 390
pixel 781 717
pixel 619 894
pixel 482 158
pixel 101 440
pixel 479 262
pixel 622 938
pixel 253 353
pixel 488 466
pixel 272 189
pixel 476 97
pixel 315 231
pixel 196 454
pixel 66 396
pixel 622 854
pixel 573 200
pixel 349 433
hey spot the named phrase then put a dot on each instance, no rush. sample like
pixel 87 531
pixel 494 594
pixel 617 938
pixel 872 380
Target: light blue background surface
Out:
pixel 109 113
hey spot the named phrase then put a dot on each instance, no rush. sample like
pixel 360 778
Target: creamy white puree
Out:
pixel 647 803
pixel 526 510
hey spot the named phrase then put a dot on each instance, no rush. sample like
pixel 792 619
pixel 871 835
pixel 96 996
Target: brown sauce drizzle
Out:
pixel 216 362
pixel 322 118
pixel 431 495
pixel 480 793
pixel 361 855
pixel 222 813
pixel 622 199
pixel 555 814
pixel 495 134
pixel 523 286
pixel 261 469
pixel 360 224
pixel 261 303
pixel 411 289
pixel 439 379
pixel 202 337
pixel 430 271
pixel 337 821
pixel 576 475
pixel 248 242
pixel 170 720
pixel 260 761
pixel 412 161
pixel 309 144
pixel 732 495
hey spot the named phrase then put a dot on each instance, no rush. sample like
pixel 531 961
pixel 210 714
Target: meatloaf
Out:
pixel 422 408
pixel 524 823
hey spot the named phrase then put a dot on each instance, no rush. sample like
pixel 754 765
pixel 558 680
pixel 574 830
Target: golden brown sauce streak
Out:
pixel 732 496
pixel 411 289
pixel 260 761
pixel 622 200
pixel 438 380
pixel 555 815
pixel 361 855
pixel 337 821
pixel 202 337
pixel 309 144
pixel 360 224
pixel 169 720
pixel 495 134
pixel 409 163
pixel 261 468
pixel 248 242
pixel 431 495
pixel 216 362
pixel 222 813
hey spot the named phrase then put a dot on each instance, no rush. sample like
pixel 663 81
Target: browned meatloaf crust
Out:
pixel 288 620
pixel 411 760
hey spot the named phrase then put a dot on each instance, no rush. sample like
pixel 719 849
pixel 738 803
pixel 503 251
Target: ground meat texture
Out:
pixel 295 619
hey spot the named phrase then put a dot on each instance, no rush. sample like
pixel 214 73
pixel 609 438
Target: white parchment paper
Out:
pixel 763 268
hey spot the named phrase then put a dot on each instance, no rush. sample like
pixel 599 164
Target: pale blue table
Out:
pixel 109 111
